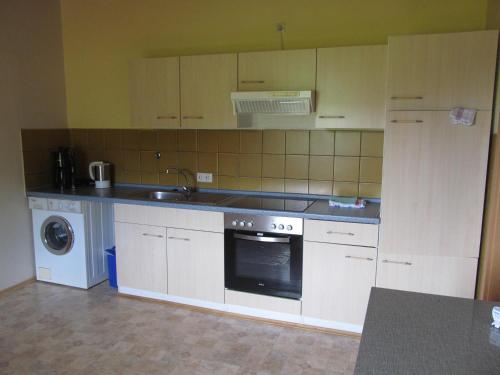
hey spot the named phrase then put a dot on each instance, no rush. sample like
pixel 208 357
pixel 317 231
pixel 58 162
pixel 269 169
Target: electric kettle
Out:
pixel 100 172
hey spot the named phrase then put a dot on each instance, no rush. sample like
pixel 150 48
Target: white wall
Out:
pixel 32 95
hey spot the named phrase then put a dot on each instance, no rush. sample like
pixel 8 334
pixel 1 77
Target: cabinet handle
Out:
pixel 406 97
pixel 254 81
pixel 166 117
pixel 339 116
pixel 342 233
pixel 354 257
pixel 152 235
pixel 178 238
pixel 407 121
pixel 192 117
pixel 396 262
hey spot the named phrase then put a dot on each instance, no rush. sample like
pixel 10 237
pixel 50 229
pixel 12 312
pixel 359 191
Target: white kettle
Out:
pixel 100 172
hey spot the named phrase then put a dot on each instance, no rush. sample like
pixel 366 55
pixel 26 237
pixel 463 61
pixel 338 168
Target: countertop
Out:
pixel 417 333
pixel 319 210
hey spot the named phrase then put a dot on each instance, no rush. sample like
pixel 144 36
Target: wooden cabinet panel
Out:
pixel 277 70
pixel 337 281
pixel 351 87
pixel 442 71
pixel 451 276
pixel 258 301
pixel 154 93
pixel 196 220
pixel 341 233
pixel 141 257
pixel 433 184
pixel 196 264
pixel 147 215
pixel 206 85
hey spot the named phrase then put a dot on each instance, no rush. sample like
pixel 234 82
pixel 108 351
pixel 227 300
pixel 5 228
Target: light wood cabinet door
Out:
pixel 141 257
pixel 341 232
pixel 196 264
pixel 450 276
pixel 277 70
pixel 206 85
pixel 337 280
pixel 351 87
pixel 442 71
pixel 154 93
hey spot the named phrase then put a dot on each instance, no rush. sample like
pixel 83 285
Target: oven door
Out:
pixel 263 263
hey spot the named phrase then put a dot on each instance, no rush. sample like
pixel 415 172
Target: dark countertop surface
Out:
pixel 417 333
pixel 128 194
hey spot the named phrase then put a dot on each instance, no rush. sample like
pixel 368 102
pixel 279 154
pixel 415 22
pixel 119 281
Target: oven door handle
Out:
pixel 262 239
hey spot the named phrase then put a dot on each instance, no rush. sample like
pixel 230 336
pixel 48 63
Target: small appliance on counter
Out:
pixel 100 172
pixel 64 171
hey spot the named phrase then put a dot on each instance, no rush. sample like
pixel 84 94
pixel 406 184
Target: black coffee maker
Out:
pixel 64 168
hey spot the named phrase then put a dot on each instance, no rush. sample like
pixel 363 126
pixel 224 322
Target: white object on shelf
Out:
pixel 463 116
pixel 495 313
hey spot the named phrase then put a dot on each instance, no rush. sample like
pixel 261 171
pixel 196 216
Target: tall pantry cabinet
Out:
pixel 434 172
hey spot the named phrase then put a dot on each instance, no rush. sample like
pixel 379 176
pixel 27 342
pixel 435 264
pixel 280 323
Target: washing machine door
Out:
pixel 57 235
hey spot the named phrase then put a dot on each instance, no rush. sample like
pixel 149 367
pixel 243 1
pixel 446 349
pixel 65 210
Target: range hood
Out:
pixel 273 102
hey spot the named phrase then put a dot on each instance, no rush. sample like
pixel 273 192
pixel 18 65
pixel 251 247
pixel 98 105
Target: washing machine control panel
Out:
pixel 64 205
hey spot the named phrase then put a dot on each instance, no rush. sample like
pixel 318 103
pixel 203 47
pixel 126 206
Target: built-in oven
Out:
pixel 263 254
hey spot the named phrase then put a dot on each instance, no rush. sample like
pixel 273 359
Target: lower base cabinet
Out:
pixel 196 264
pixel 141 257
pixel 337 280
pixel 444 275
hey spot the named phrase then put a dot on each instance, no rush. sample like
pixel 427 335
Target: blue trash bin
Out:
pixel 111 255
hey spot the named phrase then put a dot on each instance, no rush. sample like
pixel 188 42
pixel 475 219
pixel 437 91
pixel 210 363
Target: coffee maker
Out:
pixel 64 168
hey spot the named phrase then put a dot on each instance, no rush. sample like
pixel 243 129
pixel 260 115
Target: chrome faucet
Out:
pixel 186 189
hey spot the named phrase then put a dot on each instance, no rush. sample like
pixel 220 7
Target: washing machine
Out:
pixel 69 240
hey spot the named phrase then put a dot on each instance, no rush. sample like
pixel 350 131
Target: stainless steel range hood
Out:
pixel 273 102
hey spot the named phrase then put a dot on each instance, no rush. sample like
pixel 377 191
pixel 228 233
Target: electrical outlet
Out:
pixel 204 177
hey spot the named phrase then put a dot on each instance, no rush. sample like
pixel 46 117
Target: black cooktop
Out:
pixel 271 203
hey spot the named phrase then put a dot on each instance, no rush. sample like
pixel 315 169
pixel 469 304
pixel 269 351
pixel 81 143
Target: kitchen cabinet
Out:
pixel 206 84
pixel 433 182
pixel 141 257
pixel 341 232
pixel 337 280
pixel 196 264
pixel 277 70
pixel 351 87
pixel 442 71
pixel 154 93
pixel 444 275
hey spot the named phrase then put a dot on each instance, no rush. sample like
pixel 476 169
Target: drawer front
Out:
pixel 37 203
pixel 341 233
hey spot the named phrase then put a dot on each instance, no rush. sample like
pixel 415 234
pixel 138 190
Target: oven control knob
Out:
pixel 273 226
pixel 281 227
pixel 234 223
pixel 289 227
pixel 249 224
pixel 242 223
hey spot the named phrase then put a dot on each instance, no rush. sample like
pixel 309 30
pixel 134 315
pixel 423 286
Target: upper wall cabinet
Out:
pixel 154 93
pixel 351 87
pixel 277 70
pixel 206 84
pixel 442 71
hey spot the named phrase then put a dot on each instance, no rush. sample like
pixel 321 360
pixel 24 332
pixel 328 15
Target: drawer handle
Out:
pixel 192 117
pixel 396 262
pixel 355 257
pixel 406 97
pixel 166 117
pixel 342 233
pixel 339 116
pixel 178 238
pixel 254 81
pixel 407 121
pixel 152 235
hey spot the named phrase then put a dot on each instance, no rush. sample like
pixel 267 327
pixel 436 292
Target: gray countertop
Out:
pixel 127 194
pixel 416 333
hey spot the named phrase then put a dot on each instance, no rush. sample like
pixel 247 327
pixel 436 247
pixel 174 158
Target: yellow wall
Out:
pixel 101 36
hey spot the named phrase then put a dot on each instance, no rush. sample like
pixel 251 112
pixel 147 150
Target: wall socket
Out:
pixel 204 177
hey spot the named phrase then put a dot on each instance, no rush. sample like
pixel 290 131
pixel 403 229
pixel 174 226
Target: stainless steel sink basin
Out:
pixel 180 197
pixel 164 195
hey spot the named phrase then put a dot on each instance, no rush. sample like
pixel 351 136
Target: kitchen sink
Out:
pixel 181 197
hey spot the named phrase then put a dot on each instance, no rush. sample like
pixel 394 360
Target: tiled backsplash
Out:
pixel 300 161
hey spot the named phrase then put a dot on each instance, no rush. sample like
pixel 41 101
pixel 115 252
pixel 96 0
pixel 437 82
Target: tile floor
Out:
pixel 48 329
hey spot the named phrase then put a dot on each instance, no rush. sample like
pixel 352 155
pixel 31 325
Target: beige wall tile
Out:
pixel 112 156
pixel 321 167
pixel 273 166
pixel 169 159
pixel 149 162
pixel 36 139
pixel 96 139
pixel 251 141
pixel 149 178
pixel 345 189
pixel 187 140
pixel 149 140
pixel 228 182
pixel 372 144
pixel 347 143
pixel 36 162
pixel 189 161
pixel 37 180
pixel 168 140
pixel 131 160
pixel 346 169
pixel 249 183
pixel 170 179
pixel 95 155
pixel 370 170
pixel 130 177
pixel 207 162
pixel 112 139
pixel 296 186
pixel 79 138
pixel 368 190
pixel 297 166
pixel 250 165
pixel 273 142
pixel 228 165
pixel 297 142
pixel 209 185
pixel 320 187
pixel 273 185
pixel 322 142
pixel 208 140
pixel 229 141
pixel 131 139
